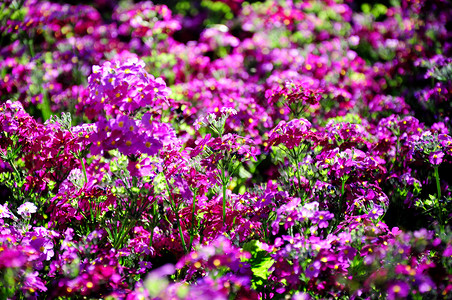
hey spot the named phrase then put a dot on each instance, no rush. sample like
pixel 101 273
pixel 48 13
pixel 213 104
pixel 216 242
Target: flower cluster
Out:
pixel 225 150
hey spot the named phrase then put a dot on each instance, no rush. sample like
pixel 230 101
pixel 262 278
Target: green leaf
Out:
pixel 260 262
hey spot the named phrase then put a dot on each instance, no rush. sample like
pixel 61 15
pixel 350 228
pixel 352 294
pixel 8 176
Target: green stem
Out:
pixel 11 154
pixel 91 213
pixel 192 234
pixel 153 224
pixel 438 189
pixel 438 186
pixel 174 208
pixel 264 228
pixel 223 181
pixel 343 188
pixel 11 162
pixel 181 233
pixel 84 170
pixel 45 107
pixel 297 172
pixel 151 237
pixel 31 48
pixel 342 195
pixel 124 231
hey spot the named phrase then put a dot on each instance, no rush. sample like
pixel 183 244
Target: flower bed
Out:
pixel 225 150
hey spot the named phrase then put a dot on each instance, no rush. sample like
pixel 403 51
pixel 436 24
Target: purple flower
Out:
pixel 144 265
pixel 424 283
pixel 348 252
pixel 321 218
pixel 44 246
pixel 376 212
pixel 398 289
pixel 33 283
pixel 313 269
pixel 448 251
pixel 436 158
pixel 144 167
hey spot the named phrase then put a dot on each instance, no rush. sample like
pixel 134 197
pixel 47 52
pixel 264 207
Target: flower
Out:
pixel 321 218
pixel 44 246
pixel 12 258
pixel 436 158
pixel 4 211
pixel 376 212
pixel 313 270
pixel 301 296
pixel 398 289
pixel 27 209
pixel 290 134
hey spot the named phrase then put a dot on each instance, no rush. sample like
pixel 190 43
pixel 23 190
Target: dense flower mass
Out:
pixel 224 149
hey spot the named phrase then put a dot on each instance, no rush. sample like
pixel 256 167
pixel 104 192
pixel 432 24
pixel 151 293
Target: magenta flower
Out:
pixel 290 134
pixel 44 247
pixel 348 252
pixel 376 212
pixel 321 218
pixel 398 290
pixel 149 145
pixel 142 168
pixel 313 270
pixel 424 283
pixel 12 258
pixel 436 158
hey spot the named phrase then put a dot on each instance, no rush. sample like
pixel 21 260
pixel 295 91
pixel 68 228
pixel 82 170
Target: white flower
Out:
pixel 4 212
pixel 228 111
pixel 27 209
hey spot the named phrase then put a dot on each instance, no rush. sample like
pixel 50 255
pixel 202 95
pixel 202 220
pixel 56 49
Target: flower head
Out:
pixel 4 211
pixel 398 290
pixel 26 209
pixel 436 158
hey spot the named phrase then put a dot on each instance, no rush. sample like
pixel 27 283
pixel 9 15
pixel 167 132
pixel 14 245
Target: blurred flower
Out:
pixel 398 290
